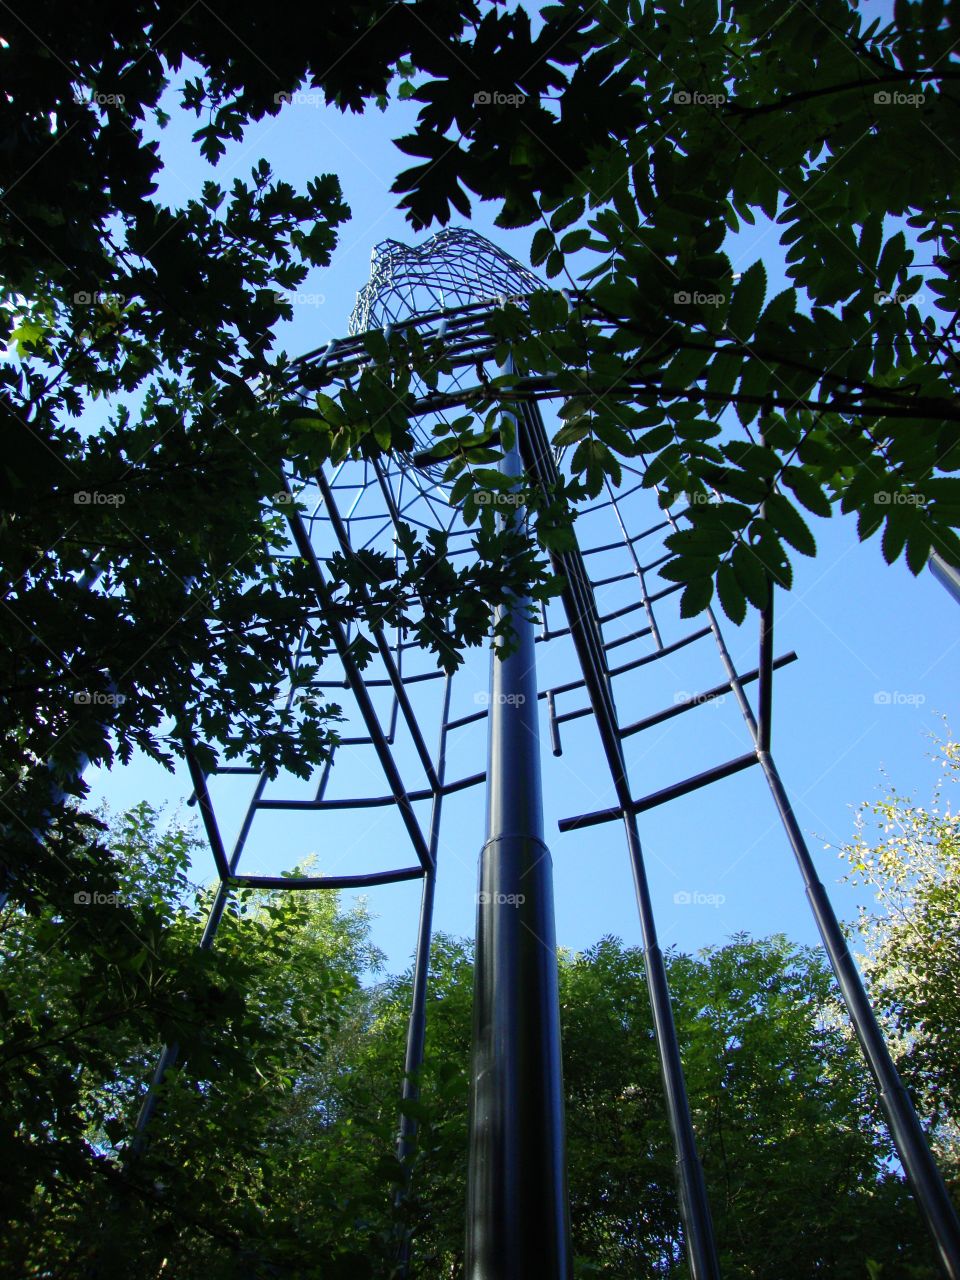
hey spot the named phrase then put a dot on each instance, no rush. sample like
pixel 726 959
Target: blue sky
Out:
pixel 876 672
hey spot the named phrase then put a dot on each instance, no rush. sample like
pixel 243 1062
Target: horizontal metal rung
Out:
pixel 718 691
pixel 462 720
pixel 387 683
pixel 327 882
pixel 611 546
pixel 683 706
pixel 371 802
pixel 634 635
pixel 660 653
pixel 620 613
pixel 617 577
pixel 661 797
pixel 667 591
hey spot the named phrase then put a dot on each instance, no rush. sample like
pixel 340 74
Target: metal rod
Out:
pixel 708 695
pixel 367 881
pixel 655 798
pixel 355 679
pixel 171 1052
pixel 417 1024
pixel 947 575
pixel 919 1165
pixel 637 567
pixel 517 1207
pixel 923 1175
pixel 581 613
pixel 380 639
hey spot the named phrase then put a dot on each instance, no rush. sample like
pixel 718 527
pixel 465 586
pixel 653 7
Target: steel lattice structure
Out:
pixel 517 1217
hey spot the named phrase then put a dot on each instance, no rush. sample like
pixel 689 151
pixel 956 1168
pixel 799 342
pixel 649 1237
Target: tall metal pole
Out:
pixel 946 574
pixel 517 1209
pixel 585 630
pixel 923 1175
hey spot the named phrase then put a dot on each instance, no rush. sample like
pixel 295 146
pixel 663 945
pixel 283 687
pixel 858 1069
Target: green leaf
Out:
pixel 730 594
pixel 543 242
pixel 747 302
pixel 808 491
pixel 790 524
pixel 695 598
pixel 751 576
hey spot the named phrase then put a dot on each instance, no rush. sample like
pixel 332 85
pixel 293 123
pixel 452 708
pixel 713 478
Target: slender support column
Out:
pixel 417 1024
pixel 585 631
pixel 946 575
pixel 923 1175
pixel 517 1209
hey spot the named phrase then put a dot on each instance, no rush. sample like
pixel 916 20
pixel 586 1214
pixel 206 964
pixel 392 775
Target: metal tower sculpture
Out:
pixel 517 1222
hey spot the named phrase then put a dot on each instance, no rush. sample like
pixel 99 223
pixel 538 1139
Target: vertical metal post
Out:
pixel 517 1209
pixel 923 1175
pixel 587 636
pixel 946 574
pixel 417 1024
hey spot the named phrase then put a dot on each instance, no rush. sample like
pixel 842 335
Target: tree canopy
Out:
pixel 638 137
pixel 143 385
pixel 908 854
pixel 272 1152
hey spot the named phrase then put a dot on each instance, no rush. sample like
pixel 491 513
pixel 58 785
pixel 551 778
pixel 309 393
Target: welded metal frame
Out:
pixel 414 287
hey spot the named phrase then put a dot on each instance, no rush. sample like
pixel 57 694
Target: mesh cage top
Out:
pixel 454 268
